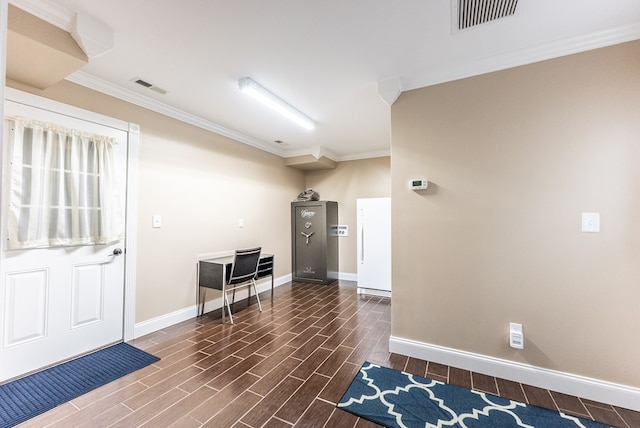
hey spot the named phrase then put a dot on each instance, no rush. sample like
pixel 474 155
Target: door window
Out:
pixel 62 189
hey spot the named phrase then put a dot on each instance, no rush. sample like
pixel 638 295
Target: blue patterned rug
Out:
pixel 29 396
pixel 396 399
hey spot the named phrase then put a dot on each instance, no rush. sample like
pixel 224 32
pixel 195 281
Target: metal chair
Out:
pixel 243 274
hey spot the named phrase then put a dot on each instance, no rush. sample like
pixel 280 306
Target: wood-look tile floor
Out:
pixel 286 366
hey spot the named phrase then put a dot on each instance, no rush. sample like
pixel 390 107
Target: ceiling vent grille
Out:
pixel 148 85
pixel 476 12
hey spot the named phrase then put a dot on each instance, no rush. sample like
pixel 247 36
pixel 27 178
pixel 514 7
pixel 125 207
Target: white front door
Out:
pixel 57 303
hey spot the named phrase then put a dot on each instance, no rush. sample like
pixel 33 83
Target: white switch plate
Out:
pixel 156 220
pixel 591 222
pixel 240 222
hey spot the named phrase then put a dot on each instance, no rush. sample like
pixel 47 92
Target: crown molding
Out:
pixel 63 18
pixel 89 81
pixel 365 155
pixel 541 52
pixel 49 11
pixel 92 82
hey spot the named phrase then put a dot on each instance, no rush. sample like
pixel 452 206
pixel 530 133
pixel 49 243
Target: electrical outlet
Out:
pixel 516 336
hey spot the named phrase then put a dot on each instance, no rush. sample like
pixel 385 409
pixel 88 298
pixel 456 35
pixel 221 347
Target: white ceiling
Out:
pixel 324 57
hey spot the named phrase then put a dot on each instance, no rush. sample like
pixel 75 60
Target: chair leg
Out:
pixel 255 291
pixel 226 300
pixel 233 299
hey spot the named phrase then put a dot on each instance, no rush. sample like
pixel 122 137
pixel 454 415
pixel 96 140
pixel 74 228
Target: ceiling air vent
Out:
pixel 148 85
pixel 476 12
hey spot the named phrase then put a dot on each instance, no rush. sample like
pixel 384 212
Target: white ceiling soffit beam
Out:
pixel 94 37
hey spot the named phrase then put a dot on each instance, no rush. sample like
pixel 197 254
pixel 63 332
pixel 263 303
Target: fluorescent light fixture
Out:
pixel 274 102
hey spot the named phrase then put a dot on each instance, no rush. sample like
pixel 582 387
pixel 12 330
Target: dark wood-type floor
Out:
pixel 287 366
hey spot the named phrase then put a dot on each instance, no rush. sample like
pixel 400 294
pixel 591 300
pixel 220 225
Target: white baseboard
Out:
pixel 374 292
pixel 167 320
pixel 164 321
pixel 347 276
pixel 580 386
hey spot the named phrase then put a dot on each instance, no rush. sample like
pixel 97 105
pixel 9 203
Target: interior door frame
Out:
pixel 133 153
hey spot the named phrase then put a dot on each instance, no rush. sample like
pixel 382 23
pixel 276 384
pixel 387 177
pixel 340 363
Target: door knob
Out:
pixel 116 252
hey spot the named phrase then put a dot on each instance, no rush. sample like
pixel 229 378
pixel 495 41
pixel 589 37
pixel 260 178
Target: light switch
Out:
pixel 156 220
pixel 591 222
pixel 240 222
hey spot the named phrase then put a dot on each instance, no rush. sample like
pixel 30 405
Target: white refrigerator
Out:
pixel 374 246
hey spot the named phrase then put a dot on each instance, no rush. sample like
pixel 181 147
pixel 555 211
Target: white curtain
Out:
pixel 63 189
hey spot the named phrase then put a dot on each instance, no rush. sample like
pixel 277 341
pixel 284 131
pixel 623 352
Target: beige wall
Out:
pixel 350 180
pixel 514 158
pixel 201 183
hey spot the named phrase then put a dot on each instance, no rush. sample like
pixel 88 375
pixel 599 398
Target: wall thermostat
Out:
pixel 418 184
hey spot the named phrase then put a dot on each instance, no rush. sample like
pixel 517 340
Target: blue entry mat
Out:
pixel 396 399
pixel 29 396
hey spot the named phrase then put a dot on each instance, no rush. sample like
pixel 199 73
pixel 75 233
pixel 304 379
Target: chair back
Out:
pixel 245 265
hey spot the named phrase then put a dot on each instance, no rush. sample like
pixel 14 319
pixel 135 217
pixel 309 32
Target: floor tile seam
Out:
pixel 166 380
pixel 597 404
pixel 608 408
pixel 568 411
pixel 519 386
pixel 555 403
pixel 495 382
pixel 219 360
pixel 251 343
pixel 239 419
pixel 296 377
pixel 201 386
pixel 574 413
pixel 315 371
pixel 119 419
pixel 336 409
pixel 586 407
pixel 211 342
pixel 263 376
pixel 622 418
pixel 176 403
pixel 323 375
pixel 326 401
pixel 221 409
pixel 281 420
pixel 273 415
pixel 279 348
pixel 194 363
pixel 149 404
pixel 624 421
pixel 118 391
pixel 302 381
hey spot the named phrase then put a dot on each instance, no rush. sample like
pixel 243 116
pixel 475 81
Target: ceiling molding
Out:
pixel 530 55
pixel 365 155
pixel 350 157
pixel 390 89
pixel 49 11
pixel 91 82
